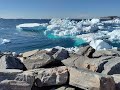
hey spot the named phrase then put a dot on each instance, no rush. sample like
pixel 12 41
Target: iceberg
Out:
pixel 32 26
pixel 4 41
pixel 100 44
pixel 114 35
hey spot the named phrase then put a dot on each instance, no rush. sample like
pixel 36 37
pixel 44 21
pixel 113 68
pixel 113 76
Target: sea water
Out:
pixel 21 41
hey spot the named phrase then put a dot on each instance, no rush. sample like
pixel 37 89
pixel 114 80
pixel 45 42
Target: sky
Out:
pixel 37 9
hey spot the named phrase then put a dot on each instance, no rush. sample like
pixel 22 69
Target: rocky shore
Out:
pixel 59 69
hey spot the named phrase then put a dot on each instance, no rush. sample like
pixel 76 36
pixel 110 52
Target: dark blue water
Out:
pixel 23 41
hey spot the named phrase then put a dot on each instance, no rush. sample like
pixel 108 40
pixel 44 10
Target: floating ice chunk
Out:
pixel 114 35
pixel 53 27
pixel 4 41
pixel 100 44
pixel 32 26
pixel 95 21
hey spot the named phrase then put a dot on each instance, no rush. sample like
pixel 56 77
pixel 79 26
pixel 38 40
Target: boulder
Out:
pixel 102 53
pixel 11 62
pixel 86 51
pixel 112 66
pixel 93 64
pixel 27 76
pixel 29 53
pixel 117 80
pixel 64 88
pixel 38 60
pixel 14 85
pixel 9 74
pixel 61 54
pixel 87 80
pixel 52 76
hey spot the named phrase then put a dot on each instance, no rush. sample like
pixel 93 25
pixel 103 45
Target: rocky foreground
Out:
pixel 59 69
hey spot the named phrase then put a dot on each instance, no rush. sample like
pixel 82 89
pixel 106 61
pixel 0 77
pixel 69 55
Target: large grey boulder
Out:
pixel 102 53
pixel 38 60
pixel 93 64
pixel 14 85
pixel 112 66
pixel 29 53
pixel 86 51
pixel 9 74
pixel 90 81
pixel 11 62
pixel 27 76
pixel 61 54
pixel 52 76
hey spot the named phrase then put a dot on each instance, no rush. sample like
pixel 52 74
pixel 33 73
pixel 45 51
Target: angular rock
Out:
pixel 64 88
pixel 117 80
pixel 27 76
pixel 93 64
pixel 106 53
pixel 29 53
pixel 10 62
pixel 9 74
pixel 61 54
pixel 90 81
pixel 14 85
pixel 112 66
pixel 86 51
pixel 52 76
pixel 38 60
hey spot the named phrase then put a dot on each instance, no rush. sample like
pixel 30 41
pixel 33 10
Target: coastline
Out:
pixel 56 69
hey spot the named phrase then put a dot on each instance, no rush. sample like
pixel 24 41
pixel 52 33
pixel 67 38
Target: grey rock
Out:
pixel 93 64
pixel 27 76
pixel 10 62
pixel 29 53
pixel 9 74
pixel 112 66
pixel 102 53
pixel 52 76
pixel 117 80
pixel 86 51
pixel 14 85
pixel 38 60
pixel 64 88
pixel 61 54
pixel 87 80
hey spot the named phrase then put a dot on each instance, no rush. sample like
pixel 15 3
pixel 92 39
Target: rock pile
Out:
pixel 59 69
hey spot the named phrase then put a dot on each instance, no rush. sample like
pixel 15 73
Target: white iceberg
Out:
pixel 32 26
pixel 114 35
pixel 100 44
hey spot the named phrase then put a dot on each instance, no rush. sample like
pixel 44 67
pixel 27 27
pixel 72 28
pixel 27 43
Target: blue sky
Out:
pixel 58 8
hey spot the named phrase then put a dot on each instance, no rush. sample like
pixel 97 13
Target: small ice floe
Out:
pixel 4 41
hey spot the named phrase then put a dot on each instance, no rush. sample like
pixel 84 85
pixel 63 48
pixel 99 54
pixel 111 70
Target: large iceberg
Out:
pixel 32 26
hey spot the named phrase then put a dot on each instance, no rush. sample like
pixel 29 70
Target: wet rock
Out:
pixel 14 85
pixel 87 80
pixel 9 74
pixel 117 80
pixel 10 62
